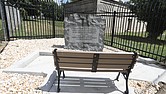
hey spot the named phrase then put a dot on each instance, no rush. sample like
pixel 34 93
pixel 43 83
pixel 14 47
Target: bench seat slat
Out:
pixel 109 61
pixel 75 65
pixel 88 60
pixel 113 66
pixel 89 69
pixel 115 56
pixel 90 66
pixel 90 55
pixel 75 60
pixel 67 54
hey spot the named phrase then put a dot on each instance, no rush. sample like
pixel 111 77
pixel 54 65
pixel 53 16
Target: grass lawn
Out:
pixel 2 43
pixel 1 31
pixel 0 24
pixel 39 28
pixel 134 42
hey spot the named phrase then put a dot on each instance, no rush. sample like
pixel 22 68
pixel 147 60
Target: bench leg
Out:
pixel 59 74
pixel 63 74
pixel 117 78
pixel 126 76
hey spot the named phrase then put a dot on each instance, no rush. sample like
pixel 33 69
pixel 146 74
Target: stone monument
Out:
pixel 84 32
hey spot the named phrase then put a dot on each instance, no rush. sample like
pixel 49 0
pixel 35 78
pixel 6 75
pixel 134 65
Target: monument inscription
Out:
pixel 84 32
pixel 78 34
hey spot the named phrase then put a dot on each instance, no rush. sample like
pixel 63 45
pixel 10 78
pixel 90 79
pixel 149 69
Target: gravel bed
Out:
pixel 143 87
pixel 14 83
pixel 19 83
pixel 16 50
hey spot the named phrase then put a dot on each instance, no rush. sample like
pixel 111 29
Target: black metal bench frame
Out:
pixel 94 69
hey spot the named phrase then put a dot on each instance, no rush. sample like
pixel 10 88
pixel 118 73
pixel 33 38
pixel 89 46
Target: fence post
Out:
pixel 4 20
pixel 113 28
pixel 53 19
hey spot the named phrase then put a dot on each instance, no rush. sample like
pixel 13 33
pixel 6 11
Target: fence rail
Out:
pixel 127 31
pixel 37 19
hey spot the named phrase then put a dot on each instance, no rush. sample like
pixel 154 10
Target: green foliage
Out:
pixel 51 8
pixel 74 0
pixel 148 8
pixel 153 12
pixel 26 7
pixel 37 7
pixel 48 8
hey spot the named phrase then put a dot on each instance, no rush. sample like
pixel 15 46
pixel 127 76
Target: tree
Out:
pixel 26 7
pixel 50 9
pixel 47 8
pixel 35 8
pixel 153 12
pixel 74 0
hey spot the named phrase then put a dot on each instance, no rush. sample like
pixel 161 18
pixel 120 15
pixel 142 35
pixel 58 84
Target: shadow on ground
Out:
pixel 142 39
pixel 86 85
pixel 72 84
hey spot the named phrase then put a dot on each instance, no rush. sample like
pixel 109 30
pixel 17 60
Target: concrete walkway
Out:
pixel 87 82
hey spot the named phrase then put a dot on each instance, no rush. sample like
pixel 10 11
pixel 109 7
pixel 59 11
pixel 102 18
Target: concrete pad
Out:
pixel 39 62
pixel 147 72
pixel 161 78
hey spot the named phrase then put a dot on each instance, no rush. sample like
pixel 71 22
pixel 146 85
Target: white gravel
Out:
pixel 18 49
pixel 14 83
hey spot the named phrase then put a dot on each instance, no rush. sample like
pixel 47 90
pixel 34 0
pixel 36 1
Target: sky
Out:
pixel 125 0
pixel 61 0
pixel 64 1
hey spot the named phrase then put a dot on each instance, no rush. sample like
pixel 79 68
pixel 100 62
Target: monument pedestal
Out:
pixel 84 32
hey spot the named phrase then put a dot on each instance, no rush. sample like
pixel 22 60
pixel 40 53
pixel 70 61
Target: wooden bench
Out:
pixel 94 62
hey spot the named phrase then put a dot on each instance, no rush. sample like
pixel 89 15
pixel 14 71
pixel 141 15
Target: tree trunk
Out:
pixel 155 27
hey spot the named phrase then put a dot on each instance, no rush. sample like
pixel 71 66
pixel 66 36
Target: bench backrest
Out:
pixel 94 61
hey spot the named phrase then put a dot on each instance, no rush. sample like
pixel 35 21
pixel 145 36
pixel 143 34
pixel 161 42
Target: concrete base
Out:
pixel 37 63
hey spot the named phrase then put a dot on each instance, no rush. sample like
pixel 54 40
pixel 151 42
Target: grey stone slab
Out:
pixel 84 32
